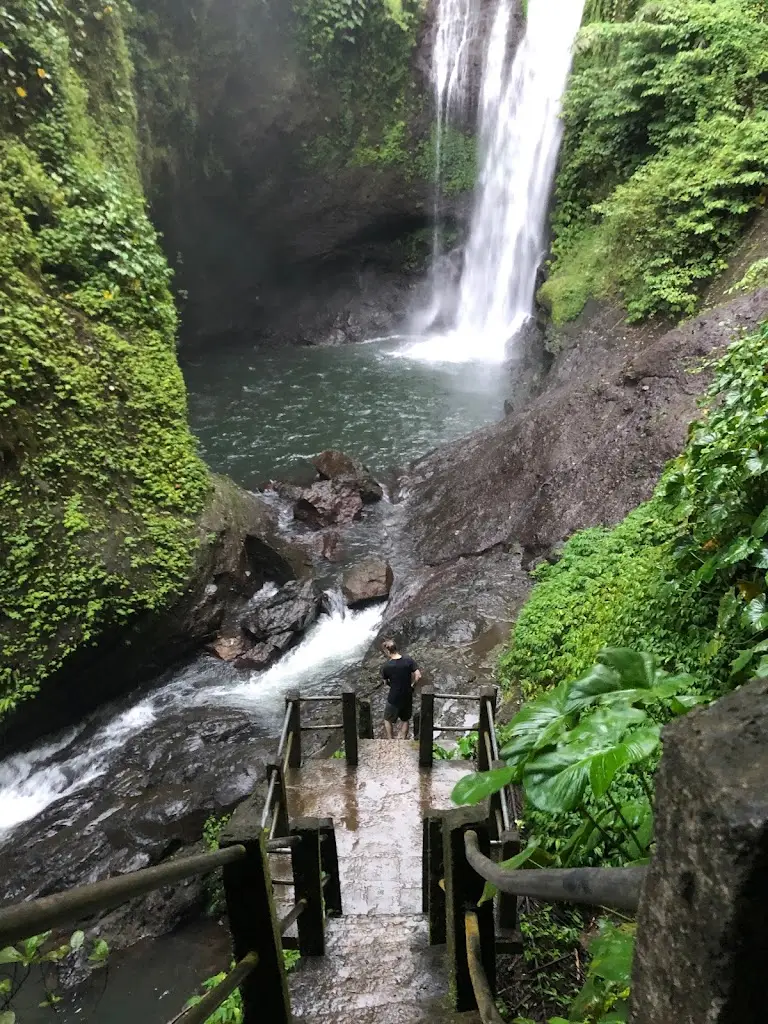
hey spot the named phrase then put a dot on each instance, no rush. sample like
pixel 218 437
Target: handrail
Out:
pixel 31 917
pixel 600 887
pixel 284 732
pixel 456 696
pixel 293 915
pixel 483 994
pixel 213 999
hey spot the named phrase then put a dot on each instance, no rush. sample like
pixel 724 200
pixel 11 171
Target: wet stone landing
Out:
pixel 378 967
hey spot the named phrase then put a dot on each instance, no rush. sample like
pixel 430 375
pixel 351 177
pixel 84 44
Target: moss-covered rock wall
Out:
pixel 100 483
pixel 287 152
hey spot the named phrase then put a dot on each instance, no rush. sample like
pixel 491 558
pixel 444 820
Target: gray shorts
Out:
pixel 402 711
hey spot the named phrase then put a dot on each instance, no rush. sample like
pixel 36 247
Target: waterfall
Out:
pixel 519 135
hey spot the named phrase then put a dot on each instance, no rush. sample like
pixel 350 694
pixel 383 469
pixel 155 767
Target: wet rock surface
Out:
pixel 274 622
pixel 328 503
pixel 334 465
pixel 370 580
pixel 615 407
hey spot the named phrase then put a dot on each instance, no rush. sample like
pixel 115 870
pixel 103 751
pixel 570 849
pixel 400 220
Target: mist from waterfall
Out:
pixel 519 135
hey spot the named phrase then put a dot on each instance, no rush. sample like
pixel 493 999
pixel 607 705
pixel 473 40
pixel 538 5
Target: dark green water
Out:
pixel 262 414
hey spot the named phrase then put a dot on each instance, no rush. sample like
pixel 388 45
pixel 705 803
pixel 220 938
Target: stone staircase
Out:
pixel 379 967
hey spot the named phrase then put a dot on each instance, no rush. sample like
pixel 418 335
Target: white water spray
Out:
pixel 31 781
pixel 519 134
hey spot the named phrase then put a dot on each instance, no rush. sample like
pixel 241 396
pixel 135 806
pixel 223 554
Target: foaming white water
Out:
pixel 29 782
pixel 334 640
pixel 33 780
pixel 520 134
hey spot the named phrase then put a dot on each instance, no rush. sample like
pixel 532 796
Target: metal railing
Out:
pixel 458 863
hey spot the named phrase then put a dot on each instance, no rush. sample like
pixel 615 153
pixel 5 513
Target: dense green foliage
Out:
pixel 362 50
pixel 683 576
pixel 99 477
pixel 665 152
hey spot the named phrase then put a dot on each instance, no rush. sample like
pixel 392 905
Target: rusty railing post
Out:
pixel 365 721
pixel 329 863
pixel 308 885
pixel 463 889
pixel 293 701
pixel 349 722
pixel 426 726
pixel 253 922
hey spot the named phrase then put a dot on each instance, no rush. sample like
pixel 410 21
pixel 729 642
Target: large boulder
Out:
pixel 289 610
pixel 328 503
pixel 335 465
pixel 370 580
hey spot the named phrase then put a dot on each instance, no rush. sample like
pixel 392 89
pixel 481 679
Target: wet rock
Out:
pixel 289 611
pixel 335 465
pixel 328 503
pixel 615 406
pixel 228 648
pixel 368 581
pixel 260 655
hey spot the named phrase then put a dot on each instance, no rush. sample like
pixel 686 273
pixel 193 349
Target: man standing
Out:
pixel 402 673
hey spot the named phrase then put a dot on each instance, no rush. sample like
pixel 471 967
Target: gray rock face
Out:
pixel 335 465
pixel 702 944
pixel 328 503
pixel 368 581
pixel 614 407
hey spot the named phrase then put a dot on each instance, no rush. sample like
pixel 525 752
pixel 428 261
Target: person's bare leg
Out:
pixel 404 730
pixel 388 730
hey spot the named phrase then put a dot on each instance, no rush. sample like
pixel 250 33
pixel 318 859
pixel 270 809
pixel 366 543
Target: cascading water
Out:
pixel 519 134
pixel 32 781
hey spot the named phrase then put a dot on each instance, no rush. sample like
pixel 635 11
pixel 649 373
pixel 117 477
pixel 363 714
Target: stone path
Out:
pixel 378 967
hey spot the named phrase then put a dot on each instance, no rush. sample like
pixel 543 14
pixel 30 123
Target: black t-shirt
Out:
pixel 398 672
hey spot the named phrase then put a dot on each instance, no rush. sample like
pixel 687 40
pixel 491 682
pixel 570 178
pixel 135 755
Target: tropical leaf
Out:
pixel 537 724
pixel 612 952
pixel 476 787
pixel 639 746
pixel 597 682
pixel 557 780
pixel 760 525
pixel 636 668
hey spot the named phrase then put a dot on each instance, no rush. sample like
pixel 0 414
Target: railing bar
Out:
pixel 284 733
pixel 494 737
pixel 31 917
pixel 457 696
pixel 270 798
pixel 283 881
pixel 454 728
pixel 275 816
pixel 505 815
pixel 316 700
pixel 210 1002
pixel 321 728
pixel 325 880
pixel 597 887
pixel 488 748
pixel 486 1004
pixel 292 916
pixel 287 754
pixel 282 845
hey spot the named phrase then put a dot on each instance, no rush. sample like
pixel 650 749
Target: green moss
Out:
pixel 684 575
pixel 360 55
pixel 100 481
pixel 664 152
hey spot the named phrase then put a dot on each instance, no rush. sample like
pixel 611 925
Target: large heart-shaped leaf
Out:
pixel 612 952
pixel 537 724
pixel 476 787
pixel 636 668
pixel 597 682
pixel 557 780
pixel 637 747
